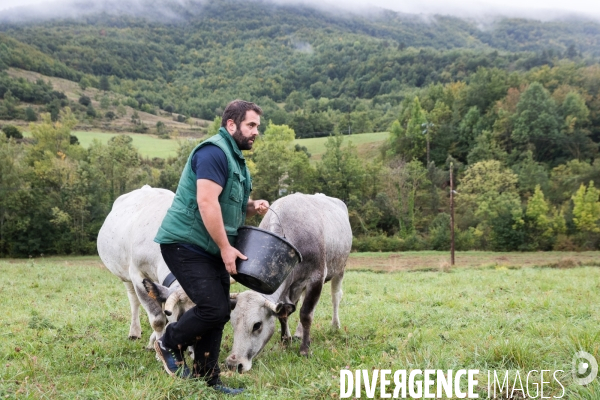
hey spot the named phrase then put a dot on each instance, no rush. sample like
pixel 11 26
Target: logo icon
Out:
pixel 585 368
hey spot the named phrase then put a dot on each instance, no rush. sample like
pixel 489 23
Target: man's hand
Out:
pixel 257 207
pixel 261 206
pixel 229 255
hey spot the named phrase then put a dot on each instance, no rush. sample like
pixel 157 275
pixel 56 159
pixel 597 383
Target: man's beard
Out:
pixel 242 141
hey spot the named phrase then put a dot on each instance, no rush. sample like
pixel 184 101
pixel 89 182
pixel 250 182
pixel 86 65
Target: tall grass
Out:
pixel 65 323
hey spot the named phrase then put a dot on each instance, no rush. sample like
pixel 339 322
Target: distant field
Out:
pixel 148 145
pixel 151 146
pixel 367 144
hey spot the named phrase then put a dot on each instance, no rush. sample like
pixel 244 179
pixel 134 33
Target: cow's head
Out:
pixel 253 321
pixel 173 298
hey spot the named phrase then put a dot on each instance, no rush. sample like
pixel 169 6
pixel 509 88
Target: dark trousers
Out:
pixel 206 282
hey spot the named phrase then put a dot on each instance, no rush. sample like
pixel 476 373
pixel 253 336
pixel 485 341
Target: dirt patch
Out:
pixel 439 261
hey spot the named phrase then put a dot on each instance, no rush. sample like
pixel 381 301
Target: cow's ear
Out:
pixel 286 310
pixel 156 291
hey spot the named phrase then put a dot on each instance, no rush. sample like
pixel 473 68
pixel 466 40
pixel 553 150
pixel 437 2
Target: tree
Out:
pixel 15 196
pixel 121 110
pixel 537 122
pixel 340 171
pixel 214 127
pixel 586 209
pixel 30 115
pixel 118 164
pixel 8 109
pixel 576 119
pixel 468 132
pixel 279 169
pixel 409 142
pixel 486 148
pixel 90 111
pixel 12 131
pixel 488 199
pixel 104 84
pixel 540 223
pixel 404 182
pixel 104 102
pixel 85 101
pixel 84 83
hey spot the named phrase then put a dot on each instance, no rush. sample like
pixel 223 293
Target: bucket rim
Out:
pixel 250 227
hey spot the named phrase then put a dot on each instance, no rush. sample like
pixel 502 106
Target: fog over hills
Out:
pixel 482 11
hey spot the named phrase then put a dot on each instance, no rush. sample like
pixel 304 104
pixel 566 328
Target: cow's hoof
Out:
pixel 304 352
pixel 133 337
pixel 286 340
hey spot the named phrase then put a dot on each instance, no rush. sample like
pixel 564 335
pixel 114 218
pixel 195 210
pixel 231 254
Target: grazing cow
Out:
pixel 318 227
pixel 127 248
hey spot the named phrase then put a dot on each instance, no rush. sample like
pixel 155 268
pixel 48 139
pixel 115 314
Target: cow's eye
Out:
pixel 256 326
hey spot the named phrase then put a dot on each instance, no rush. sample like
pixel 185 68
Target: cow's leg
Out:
pixel 156 316
pixel 336 297
pixel 135 329
pixel 285 329
pixel 298 334
pixel 311 298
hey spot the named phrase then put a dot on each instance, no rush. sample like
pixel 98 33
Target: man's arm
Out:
pixel 257 207
pixel 207 195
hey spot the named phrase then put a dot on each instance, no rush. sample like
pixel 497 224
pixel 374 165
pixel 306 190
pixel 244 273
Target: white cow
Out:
pixel 127 248
pixel 318 227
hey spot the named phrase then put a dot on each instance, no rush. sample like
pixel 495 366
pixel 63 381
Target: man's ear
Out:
pixel 230 126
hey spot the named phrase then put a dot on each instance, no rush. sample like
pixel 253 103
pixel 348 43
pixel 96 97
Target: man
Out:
pixel 197 236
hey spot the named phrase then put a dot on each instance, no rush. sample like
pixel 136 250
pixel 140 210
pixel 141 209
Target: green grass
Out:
pixel 65 323
pixel 153 146
pixel 316 146
pixel 148 145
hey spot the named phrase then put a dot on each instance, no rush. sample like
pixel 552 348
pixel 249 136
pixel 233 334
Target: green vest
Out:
pixel 183 223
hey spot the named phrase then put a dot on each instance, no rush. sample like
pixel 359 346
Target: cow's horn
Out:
pixel 272 306
pixel 233 295
pixel 173 299
pixel 231 281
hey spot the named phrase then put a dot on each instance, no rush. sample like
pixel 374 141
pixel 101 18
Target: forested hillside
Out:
pixel 514 106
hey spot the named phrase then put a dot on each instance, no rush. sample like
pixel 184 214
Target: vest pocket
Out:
pixel 237 185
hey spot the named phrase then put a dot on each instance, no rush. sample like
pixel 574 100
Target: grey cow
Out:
pixel 127 249
pixel 319 228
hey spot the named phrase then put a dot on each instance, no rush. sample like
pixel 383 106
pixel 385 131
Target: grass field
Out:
pixel 153 146
pixel 148 145
pixel 65 323
pixel 367 144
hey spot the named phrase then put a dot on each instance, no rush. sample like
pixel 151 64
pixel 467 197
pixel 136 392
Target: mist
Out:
pixel 482 11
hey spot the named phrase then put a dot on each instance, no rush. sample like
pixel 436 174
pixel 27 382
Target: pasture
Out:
pixel 65 323
pixel 367 144
pixel 152 146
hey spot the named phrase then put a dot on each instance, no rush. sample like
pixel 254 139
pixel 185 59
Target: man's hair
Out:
pixel 236 110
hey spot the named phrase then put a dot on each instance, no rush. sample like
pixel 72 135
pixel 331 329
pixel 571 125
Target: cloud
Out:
pixel 535 9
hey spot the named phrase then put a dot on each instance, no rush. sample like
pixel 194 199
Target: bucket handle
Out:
pixel 279 219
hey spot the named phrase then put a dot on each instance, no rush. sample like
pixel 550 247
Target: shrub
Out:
pixel 91 111
pixel 30 115
pixel 85 101
pixel 12 131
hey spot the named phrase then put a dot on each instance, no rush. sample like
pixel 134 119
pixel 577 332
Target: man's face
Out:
pixel 245 134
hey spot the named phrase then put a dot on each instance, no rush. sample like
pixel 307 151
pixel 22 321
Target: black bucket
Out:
pixel 270 259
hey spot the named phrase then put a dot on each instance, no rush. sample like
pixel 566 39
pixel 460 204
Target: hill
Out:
pixel 311 69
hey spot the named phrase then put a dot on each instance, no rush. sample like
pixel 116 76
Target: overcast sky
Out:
pixel 538 9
